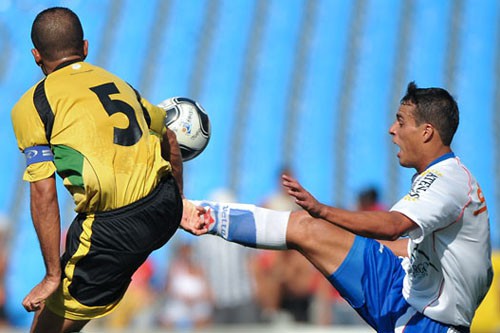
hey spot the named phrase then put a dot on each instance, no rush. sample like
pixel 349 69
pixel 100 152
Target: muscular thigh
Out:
pixel 322 243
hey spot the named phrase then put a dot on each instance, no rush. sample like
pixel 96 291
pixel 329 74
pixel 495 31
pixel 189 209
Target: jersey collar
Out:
pixel 437 160
pixel 441 158
pixel 66 63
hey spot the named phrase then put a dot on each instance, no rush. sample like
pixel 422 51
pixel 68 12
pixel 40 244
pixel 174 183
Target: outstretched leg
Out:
pixel 364 271
pixel 322 243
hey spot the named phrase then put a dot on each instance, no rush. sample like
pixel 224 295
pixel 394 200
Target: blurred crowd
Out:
pixel 209 281
pixel 4 237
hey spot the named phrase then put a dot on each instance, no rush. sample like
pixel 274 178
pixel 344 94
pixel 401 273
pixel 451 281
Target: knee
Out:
pixel 300 232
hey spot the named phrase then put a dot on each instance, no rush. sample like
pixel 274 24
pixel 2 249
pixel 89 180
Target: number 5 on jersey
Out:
pixel 122 136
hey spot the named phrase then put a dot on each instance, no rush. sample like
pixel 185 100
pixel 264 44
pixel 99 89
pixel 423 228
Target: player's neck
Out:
pixel 436 154
pixel 50 66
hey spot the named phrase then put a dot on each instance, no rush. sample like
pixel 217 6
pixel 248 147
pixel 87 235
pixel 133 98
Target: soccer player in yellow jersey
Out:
pixel 118 160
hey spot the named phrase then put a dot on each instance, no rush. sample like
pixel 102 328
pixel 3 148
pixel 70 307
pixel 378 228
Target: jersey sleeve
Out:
pixel 157 116
pixel 436 200
pixel 30 132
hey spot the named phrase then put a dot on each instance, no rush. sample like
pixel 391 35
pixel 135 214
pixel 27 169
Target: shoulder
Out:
pixel 453 172
pixel 25 103
pixel 446 178
pixel 28 94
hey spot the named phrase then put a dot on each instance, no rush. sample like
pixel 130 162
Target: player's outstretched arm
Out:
pixel 378 225
pixel 192 218
pixel 302 197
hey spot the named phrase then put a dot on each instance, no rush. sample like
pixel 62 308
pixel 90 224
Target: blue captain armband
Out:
pixel 38 154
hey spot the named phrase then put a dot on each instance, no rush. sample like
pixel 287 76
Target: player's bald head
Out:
pixel 57 33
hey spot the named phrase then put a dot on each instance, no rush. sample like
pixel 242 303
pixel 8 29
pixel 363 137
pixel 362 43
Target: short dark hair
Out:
pixel 434 106
pixel 56 33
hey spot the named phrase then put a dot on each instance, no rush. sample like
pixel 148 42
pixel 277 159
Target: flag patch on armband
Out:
pixel 38 154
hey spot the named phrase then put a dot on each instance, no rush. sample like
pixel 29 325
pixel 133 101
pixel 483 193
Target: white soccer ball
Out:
pixel 190 123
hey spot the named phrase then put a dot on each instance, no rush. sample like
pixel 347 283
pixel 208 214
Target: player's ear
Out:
pixel 85 48
pixel 428 132
pixel 36 56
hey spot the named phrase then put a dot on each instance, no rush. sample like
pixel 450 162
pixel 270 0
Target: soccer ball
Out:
pixel 190 123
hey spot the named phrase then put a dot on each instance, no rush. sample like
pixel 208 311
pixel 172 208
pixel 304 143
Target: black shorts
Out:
pixel 103 250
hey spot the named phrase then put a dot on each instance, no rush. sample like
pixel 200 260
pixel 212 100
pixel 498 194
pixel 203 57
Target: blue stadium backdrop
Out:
pixel 309 84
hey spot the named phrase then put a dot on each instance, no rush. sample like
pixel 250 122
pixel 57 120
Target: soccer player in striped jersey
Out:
pixel 118 160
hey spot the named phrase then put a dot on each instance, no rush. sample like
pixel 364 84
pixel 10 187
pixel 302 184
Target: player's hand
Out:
pixel 192 218
pixel 37 296
pixel 302 197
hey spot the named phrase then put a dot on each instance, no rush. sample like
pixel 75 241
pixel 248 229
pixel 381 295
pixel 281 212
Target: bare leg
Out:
pixel 46 321
pixel 323 244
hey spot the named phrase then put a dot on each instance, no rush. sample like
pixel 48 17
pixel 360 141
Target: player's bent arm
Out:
pixel 171 152
pixel 46 220
pixel 378 225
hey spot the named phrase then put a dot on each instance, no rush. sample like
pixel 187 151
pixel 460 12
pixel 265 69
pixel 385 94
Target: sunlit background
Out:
pixel 308 85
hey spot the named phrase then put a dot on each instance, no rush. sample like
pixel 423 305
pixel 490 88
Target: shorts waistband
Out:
pixel 139 203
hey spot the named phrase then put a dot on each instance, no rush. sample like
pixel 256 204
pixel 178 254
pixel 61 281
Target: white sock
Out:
pixel 248 225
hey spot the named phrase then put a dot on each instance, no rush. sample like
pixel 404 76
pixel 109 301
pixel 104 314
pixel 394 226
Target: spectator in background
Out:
pixel 228 264
pixel 368 200
pixel 188 297
pixel 285 285
pixel 284 279
pixel 297 285
pixel 267 280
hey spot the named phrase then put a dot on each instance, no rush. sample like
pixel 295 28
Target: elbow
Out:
pixel 394 236
pixel 398 226
pixel 393 232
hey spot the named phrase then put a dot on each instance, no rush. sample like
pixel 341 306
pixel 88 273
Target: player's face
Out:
pixel 408 137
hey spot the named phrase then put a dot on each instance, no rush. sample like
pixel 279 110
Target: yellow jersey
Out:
pixel 96 131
